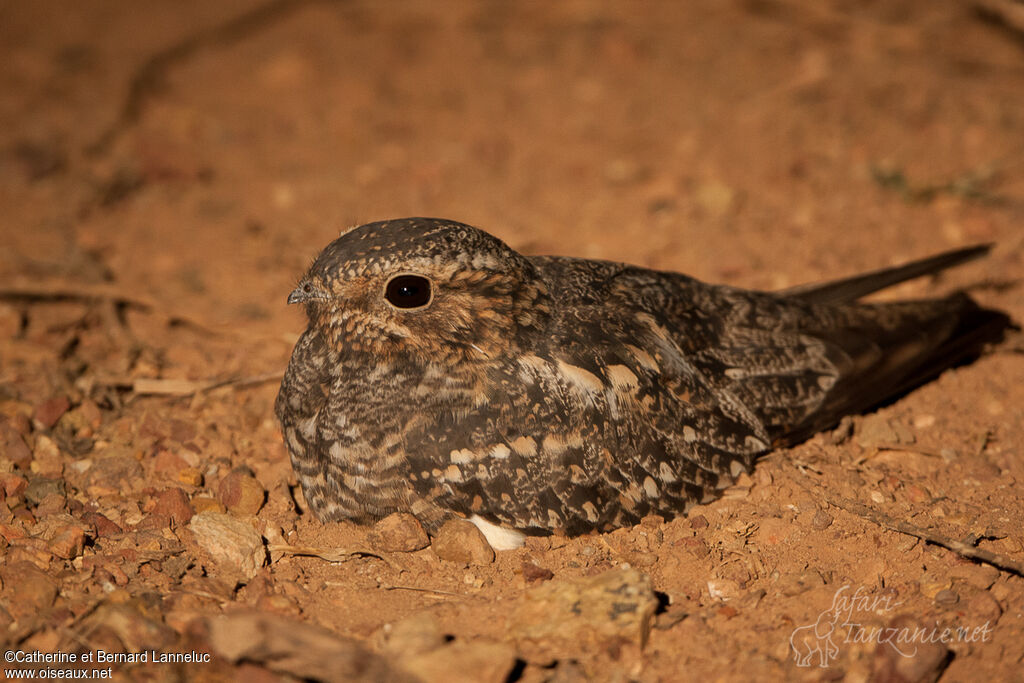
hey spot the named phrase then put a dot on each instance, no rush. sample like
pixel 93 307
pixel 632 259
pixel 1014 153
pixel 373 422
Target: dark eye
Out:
pixel 408 291
pixel 307 288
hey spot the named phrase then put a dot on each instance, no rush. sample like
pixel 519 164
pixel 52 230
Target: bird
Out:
pixel 445 375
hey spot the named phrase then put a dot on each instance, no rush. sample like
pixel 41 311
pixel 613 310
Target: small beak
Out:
pixel 302 294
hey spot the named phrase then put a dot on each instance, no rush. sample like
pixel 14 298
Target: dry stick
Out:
pixel 87 295
pixel 151 75
pixel 1006 12
pixel 429 591
pixel 995 559
pixel 146 386
pixel 329 554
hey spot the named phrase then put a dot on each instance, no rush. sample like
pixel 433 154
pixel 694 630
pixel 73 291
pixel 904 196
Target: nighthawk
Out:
pixel 446 375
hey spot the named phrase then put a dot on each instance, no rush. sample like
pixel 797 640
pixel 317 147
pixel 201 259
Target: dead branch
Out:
pixel 329 554
pixel 960 548
pixel 93 295
pixel 152 386
pixel 1009 13
pixel 149 78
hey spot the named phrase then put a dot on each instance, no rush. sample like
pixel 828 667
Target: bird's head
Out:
pixel 425 287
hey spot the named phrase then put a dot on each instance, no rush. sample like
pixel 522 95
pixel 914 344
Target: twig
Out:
pixel 151 75
pixel 964 550
pixel 329 554
pixel 432 591
pixel 91 295
pixel 908 448
pixel 1006 12
pixel 149 386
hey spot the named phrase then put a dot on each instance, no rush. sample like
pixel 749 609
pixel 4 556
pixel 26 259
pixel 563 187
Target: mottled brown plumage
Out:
pixel 443 373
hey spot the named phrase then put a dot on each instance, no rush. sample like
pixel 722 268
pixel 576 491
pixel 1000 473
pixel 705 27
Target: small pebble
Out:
pixel 399 532
pixel 460 541
pixel 534 573
pixel 241 493
pixel 616 604
pixel 234 545
pixel 48 412
pixel 175 504
pixel 821 520
pixel 68 541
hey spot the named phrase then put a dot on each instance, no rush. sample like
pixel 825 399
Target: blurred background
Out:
pixel 202 152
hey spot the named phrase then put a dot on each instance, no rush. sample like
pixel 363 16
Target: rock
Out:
pixel 48 412
pixel 874 431
pixel 460 662
pixel 13 446
pixel 40 487
pixel 399 532
pixel 46 457
pixel 534 573
pixel 617 605
pixel 102 524
pixel 28 590
pixel 232 543
pixel 167 464
pixel 297 649
pixel 190 476
pixel 460 541
pixel 415 635
pixel 174 503
pixel 699 522
pixel 68 541
pixel 821 520
pixel 109 473
pixel 241 493
pixel 12 484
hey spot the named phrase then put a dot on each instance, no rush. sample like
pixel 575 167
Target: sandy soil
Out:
pixel 167 170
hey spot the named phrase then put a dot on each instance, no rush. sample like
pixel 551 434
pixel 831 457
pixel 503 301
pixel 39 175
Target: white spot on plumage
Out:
pixel 525 446
pixel 583 380
pixel 736 468
pixel 463 456
pixel 643 358
pixel 622 377
pixel 307 427
pixel 651 487
pixel 499 537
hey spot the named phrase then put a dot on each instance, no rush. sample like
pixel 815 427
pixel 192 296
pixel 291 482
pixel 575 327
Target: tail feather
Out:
pixel 852 288
pixel 892 348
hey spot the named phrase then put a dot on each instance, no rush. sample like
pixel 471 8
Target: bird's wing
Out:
pixel 299 403
pixel 799 365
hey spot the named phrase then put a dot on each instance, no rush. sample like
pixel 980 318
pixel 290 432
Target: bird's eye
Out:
pixel 307 288
pixel 408 291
